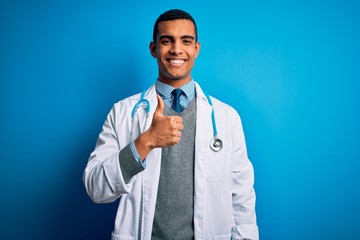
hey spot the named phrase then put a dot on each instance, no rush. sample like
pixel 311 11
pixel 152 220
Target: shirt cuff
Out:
pixel 137 157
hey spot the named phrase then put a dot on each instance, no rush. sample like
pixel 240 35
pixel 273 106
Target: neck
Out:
pixel 175 83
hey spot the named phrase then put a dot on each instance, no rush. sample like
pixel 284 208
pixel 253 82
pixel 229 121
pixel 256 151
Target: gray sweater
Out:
pixel 175 198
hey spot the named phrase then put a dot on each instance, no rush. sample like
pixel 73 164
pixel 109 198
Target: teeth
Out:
pixel 177 61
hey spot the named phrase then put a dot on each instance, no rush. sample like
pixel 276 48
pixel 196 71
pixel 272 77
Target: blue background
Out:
pixel 290 68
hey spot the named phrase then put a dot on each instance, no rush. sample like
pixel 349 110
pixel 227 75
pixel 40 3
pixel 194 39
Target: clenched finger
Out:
pixel 180 126
pixel 177 119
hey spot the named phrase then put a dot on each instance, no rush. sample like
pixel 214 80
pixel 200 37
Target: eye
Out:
pixel 187 41
pixel 165 42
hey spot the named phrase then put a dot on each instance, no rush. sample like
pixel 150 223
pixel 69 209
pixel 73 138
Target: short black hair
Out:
pixel 173 14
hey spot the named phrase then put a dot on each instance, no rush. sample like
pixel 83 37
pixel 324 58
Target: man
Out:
pixel 157 160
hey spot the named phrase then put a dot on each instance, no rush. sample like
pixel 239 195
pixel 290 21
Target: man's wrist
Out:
pixel 143 145
pixel 141 162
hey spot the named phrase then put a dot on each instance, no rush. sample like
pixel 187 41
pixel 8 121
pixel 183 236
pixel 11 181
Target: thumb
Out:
pixel 160 106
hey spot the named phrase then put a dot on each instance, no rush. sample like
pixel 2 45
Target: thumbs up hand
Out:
pixel 164 131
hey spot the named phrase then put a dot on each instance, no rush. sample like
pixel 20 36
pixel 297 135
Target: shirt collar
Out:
pixel 165 90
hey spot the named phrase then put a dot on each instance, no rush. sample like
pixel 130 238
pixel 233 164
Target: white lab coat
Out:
pixel 224 198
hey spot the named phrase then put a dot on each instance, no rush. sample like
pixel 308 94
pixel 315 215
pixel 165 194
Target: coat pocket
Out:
pixel 218 165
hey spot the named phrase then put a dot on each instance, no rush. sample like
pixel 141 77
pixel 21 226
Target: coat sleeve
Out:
pixel 242 188
pixel 103 178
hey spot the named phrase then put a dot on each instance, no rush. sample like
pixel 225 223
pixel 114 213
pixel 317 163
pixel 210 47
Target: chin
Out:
pixel 178 76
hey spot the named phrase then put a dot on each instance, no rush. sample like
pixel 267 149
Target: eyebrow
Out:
pixel 171 37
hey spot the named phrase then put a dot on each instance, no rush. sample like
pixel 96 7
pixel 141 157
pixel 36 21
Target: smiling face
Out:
pixel 175 50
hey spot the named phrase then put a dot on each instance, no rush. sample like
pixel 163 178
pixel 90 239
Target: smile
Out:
pixel 176 62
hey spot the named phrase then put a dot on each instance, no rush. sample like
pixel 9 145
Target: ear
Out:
pixel 152 48
pixel 197 49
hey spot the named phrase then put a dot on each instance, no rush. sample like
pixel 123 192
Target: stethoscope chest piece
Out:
pixel 216 144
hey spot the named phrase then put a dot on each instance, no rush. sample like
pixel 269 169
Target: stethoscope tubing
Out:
pixel 137 105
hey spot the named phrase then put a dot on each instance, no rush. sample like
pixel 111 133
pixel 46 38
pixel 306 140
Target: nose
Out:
pixel 176 48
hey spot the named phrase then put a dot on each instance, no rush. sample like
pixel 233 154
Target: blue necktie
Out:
pixel 176 100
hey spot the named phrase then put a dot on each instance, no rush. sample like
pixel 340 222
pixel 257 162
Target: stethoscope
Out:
pixel 216 144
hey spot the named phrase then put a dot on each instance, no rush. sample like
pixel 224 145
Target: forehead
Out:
pixel 177 28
